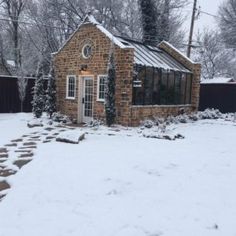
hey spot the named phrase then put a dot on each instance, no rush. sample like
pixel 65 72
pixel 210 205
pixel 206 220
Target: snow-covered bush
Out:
pixel 110 109
pixel 58 117
pixel 210 114
pixel 186 118
pixel 38 102
pixel 148 124
pixel 50 105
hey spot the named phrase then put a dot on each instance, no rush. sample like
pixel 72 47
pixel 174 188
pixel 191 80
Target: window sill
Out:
pixel 100 100
pixel 70 98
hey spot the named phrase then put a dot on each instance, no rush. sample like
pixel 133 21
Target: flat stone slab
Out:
pixel 50 137
pixel 47 141
pixel 29 144
pixel 11 145
pixel 21 163
pixel 7 172
pixel 27 147
pixel 44 133
pixel 3 150
pixel 4 185
pixel 25 155
pixel 3 160
pixel 49 129
pixel 34 139
pixel 17 140
pixel 71 136
pixel 3 155
pixel 23 151
pixel 2 196
pixel 25 135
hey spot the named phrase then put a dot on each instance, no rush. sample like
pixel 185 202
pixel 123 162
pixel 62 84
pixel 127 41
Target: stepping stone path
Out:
pixel 20 151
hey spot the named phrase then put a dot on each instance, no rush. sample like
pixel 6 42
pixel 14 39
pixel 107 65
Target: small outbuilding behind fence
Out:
pixel 218 94
pixel 9 95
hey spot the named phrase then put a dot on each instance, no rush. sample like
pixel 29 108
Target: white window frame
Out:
pixel 67 87
pixel 98 86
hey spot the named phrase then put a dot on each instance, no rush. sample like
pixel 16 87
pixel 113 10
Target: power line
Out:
pixel 30 23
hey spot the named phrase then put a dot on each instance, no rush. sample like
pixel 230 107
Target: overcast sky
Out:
pixel 210 6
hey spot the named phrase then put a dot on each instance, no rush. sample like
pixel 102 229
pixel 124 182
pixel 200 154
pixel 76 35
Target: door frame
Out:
pixel 81 95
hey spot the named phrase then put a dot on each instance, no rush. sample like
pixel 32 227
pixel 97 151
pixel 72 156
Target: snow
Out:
pixel 118 183
pixel 72 136
pixel 13 126
pixel 175 49
pixel 91 19
pixel 217 80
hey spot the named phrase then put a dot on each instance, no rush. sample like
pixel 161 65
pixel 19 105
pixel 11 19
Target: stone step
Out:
pixel 21 163
pixel 2 196
pixel 50 137
pixel 24 155
pixel 46 141
pixel 34 139
pixel 17 140
pixel 49 129
pixel 7 172
pixel 3 155
pixel 23 151
pixel 4 185
pixel 2 160
pixel 29 144
pixel 3 150
pixel 28 147
pixel 11 145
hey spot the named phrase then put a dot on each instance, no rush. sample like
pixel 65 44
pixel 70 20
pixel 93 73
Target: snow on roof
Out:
pixel 217 80
pixel 89 19
pixel 171 46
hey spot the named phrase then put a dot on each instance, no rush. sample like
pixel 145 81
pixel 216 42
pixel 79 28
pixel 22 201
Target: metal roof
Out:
pixel 153 56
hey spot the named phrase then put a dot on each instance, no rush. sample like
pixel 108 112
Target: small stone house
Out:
pixel 150 81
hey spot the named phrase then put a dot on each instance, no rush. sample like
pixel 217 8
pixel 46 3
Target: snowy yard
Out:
pixel 123 184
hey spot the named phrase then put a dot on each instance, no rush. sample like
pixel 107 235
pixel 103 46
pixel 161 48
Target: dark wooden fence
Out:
pixel 218 96
pixel 9 97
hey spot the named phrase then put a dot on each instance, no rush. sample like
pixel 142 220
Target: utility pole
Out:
pixel 191 29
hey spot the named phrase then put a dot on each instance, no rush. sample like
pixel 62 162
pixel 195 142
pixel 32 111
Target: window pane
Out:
pixel 101 84
pixel 71 87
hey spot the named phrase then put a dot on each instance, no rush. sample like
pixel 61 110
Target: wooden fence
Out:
pixel 9 96
pixel 218 96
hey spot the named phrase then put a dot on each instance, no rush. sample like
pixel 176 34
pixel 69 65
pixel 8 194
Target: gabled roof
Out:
pixel 145 55
pixel 89 19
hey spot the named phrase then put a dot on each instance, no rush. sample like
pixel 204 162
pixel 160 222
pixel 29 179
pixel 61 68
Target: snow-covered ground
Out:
pixel 123 184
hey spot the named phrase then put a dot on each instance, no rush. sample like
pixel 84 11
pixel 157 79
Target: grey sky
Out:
pixel 210 6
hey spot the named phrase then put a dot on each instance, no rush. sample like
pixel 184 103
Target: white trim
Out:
pixel 80 96
pixel 87 44
pixel 98 85
pixel 67 80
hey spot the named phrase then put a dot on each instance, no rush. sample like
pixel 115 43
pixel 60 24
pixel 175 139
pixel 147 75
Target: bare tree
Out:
pixel 227 13
pixel 13 10
pixel 22 82
pixel 215 58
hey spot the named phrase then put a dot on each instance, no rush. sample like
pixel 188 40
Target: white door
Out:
pixel 87 99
